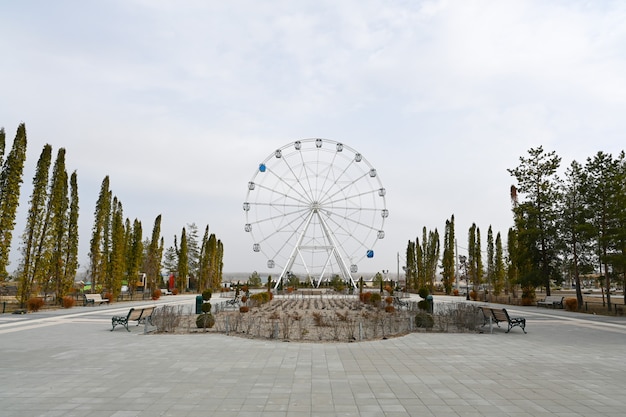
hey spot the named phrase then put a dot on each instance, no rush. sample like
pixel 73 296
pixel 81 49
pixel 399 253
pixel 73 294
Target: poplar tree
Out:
pixel 448 263
pixel 101 215
pixel 34 225
pixel 204 262
pixel 491 266
pixel 183 262
pixel 71 252
pixel 117 260
pixel 58 206
pixel 411 266
pixel 134 254
pixel 10 184
pixel 499 269
pixel 471 255
pixel 153 255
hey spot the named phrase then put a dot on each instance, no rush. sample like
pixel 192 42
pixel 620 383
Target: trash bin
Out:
pixel 199 302
pixel 429 298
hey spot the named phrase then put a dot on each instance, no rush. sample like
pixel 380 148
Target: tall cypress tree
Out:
pixel 154 254
pixel 34 224
pixel 58 205
pixel 10 184
pixel 183 262
pixel 499 269
pixel 101 215
pixel 71 250
pixel 491 261
pixel 448 264
pixel 117 257
pixel 134 250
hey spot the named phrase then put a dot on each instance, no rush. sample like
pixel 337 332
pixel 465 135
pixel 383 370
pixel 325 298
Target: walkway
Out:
pixel 68 363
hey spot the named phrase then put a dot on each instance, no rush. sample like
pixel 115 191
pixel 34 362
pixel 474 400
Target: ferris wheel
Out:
pixel 315 208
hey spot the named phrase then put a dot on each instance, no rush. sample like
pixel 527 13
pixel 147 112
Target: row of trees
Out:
pixel 49 244
pixel 423 260
pixel 195 264
pixel 570 225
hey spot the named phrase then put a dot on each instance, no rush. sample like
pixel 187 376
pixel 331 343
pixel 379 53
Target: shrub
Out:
pixel 68 301
pixel 375 298
pixel 244 299
pixel 473 295
pixel 389 299
pixel 527 301
pixel 207 294
pixel 244 309
pixel 206 307
pixel 571 304
pixel 108 296
pixel 205 321
pixel 365 297
pixel 175 291
pixel 156 294
pixel 423 292
pixel 34 303
pixel 455 292
pixel 260 298
pixel 389 289
pixel 425 321
pixel 390 309
pixel 423 305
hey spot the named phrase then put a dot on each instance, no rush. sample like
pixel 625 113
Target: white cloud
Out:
pixel 178 103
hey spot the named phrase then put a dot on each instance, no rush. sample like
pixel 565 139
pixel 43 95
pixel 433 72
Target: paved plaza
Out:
pixel 68 363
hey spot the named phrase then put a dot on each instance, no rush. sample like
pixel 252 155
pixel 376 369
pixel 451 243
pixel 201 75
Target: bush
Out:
pixel 244 309
pixel 423 292
pixel 68 301
pixel 423 305
pixel 365 297
pixel 260 298
pixel 455 292
pixel 206 307
pixel 424 321
pixel 389 299
pixel 205 321
pixel 175 291
pixel 389 289
pixel 108 296
pixel 156 294
pixel 375 298
pixel 34 303
pixel 244 299
pixel 207 294
pixel 390 309
pixel 473 295
pixel 571 304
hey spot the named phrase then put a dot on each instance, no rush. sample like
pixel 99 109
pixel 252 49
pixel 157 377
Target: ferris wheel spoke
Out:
pixel 296 213
pixel 305 194
pixel 347 186
pixel 302 200
pixel 352 197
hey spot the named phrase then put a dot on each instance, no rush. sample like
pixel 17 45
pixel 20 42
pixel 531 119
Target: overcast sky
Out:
pixel 178 101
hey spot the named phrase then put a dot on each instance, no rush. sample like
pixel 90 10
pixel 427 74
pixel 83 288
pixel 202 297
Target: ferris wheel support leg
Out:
pixel 294 252
pixel 345 271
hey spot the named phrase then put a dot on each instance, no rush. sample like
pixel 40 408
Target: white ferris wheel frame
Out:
pixel 314 213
